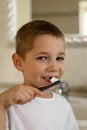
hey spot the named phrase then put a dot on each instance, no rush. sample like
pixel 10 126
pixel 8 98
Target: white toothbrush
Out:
pixel 54 82
pixel 54 79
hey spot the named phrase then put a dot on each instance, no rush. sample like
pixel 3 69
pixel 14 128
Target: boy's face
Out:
pixel 45 60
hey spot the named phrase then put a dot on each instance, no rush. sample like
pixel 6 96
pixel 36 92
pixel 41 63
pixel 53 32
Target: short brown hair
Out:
pixel 27 33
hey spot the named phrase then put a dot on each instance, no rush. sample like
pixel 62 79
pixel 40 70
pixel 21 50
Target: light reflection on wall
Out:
pixel 83 17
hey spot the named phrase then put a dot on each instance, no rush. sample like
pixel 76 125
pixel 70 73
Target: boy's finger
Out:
pixel 38 92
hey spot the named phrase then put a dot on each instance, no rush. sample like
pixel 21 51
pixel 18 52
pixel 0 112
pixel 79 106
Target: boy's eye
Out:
pixel 60 58
pixel 42 58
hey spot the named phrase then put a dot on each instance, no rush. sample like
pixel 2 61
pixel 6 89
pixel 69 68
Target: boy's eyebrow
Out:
pixel 45 53
pixel 62 53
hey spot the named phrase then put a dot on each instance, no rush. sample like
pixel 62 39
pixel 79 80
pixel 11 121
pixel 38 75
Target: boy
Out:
pixel 40 55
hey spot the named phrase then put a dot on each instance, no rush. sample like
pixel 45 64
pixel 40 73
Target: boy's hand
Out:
pixel 20 94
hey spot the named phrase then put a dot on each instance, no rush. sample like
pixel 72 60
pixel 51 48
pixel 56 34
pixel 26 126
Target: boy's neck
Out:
pixel 46 95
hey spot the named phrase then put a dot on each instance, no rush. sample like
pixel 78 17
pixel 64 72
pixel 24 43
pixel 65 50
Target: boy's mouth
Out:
pixel 48 78
pixel 54 81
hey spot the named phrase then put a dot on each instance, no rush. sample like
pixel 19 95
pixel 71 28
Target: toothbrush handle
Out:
pixel 49 86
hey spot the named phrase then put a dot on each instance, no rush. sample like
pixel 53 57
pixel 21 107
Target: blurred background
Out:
pixel 71 17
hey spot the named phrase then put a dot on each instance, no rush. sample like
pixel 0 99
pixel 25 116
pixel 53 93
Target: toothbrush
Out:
pixel 54 82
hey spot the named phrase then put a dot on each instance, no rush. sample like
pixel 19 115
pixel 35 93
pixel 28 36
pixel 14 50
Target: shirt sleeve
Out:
pixel 7 121
pixel 73 125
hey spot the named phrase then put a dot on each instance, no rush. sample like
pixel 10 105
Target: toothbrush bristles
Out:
pixel 54 79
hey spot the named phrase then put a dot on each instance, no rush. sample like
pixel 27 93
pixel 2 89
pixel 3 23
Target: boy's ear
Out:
pixel 17 60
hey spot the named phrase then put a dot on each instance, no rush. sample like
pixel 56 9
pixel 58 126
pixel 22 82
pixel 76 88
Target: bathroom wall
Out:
pixel 8 74
pixel 63 13
pixel 76 65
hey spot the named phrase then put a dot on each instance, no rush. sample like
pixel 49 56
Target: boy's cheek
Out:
pixel 62 71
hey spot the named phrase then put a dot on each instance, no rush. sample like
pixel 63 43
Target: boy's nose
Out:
pixel 53 67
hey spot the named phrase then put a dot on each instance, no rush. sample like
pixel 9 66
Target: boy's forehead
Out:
pixel 48 45
pixel 47 39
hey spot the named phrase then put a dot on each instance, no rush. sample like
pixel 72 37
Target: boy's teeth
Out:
pixel 47 78
pixel 51 79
